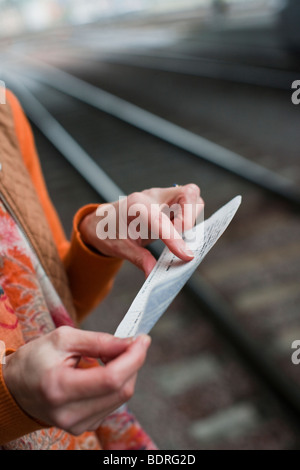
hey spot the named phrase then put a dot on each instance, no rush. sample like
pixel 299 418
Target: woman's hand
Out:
pixel 146 216
pixel 44 379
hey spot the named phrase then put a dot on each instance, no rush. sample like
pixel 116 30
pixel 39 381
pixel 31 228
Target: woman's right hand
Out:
pixel 45 381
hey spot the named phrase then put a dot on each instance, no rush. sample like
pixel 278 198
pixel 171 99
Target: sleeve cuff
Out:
pixel 79 216
pixel 90 273
pixel 76 238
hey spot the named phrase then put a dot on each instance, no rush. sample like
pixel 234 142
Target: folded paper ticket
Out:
pixel 170 273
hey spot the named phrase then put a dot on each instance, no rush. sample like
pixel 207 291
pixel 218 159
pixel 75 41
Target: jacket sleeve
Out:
pixel 90 274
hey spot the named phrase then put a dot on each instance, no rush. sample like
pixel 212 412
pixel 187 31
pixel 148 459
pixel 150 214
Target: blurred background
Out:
pixel 219 373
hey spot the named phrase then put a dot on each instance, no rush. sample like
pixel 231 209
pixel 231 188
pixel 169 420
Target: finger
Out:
pixel 130 361
pixel 96 381
pixel 92 423
pixel 173 193
pixel 191 205
pixel 163 228
pixel 88 343
pixel 188 216
pixel 140 257
pixel 187 197
pixel 95 410
pixel 164 195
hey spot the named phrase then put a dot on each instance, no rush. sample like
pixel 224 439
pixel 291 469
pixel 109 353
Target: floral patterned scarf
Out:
pixel 37 310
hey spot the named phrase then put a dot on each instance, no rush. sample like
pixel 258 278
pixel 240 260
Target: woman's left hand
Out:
pixel 123 228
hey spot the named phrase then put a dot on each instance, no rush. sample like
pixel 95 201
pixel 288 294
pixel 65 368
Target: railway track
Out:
pixel 255 266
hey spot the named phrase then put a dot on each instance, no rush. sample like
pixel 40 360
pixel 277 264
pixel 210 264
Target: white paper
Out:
pixel 170 274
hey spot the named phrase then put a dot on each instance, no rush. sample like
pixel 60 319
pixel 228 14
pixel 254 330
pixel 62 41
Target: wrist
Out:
pixel 87 230
pixel 11 375
pixel 15 422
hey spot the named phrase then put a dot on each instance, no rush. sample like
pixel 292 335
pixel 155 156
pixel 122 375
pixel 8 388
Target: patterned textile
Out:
pixel 34 310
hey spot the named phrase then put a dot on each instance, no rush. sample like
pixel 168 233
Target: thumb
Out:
pixel 90 343
pixel 140 257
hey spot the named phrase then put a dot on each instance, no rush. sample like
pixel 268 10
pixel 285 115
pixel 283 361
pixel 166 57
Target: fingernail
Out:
pixel 130 340
pixel 145 340
pixel 188 252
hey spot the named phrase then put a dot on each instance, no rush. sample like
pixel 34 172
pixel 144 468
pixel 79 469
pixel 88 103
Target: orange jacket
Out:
pixel 90 274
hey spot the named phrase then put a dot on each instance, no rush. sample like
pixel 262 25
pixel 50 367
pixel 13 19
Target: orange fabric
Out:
pixel 31 310
pixel 10 412
pixel 90 274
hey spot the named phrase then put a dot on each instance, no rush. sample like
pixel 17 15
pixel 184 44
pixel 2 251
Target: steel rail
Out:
pixel 175 135
pixel 206 68
pixel 207 298
pixel 64 142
